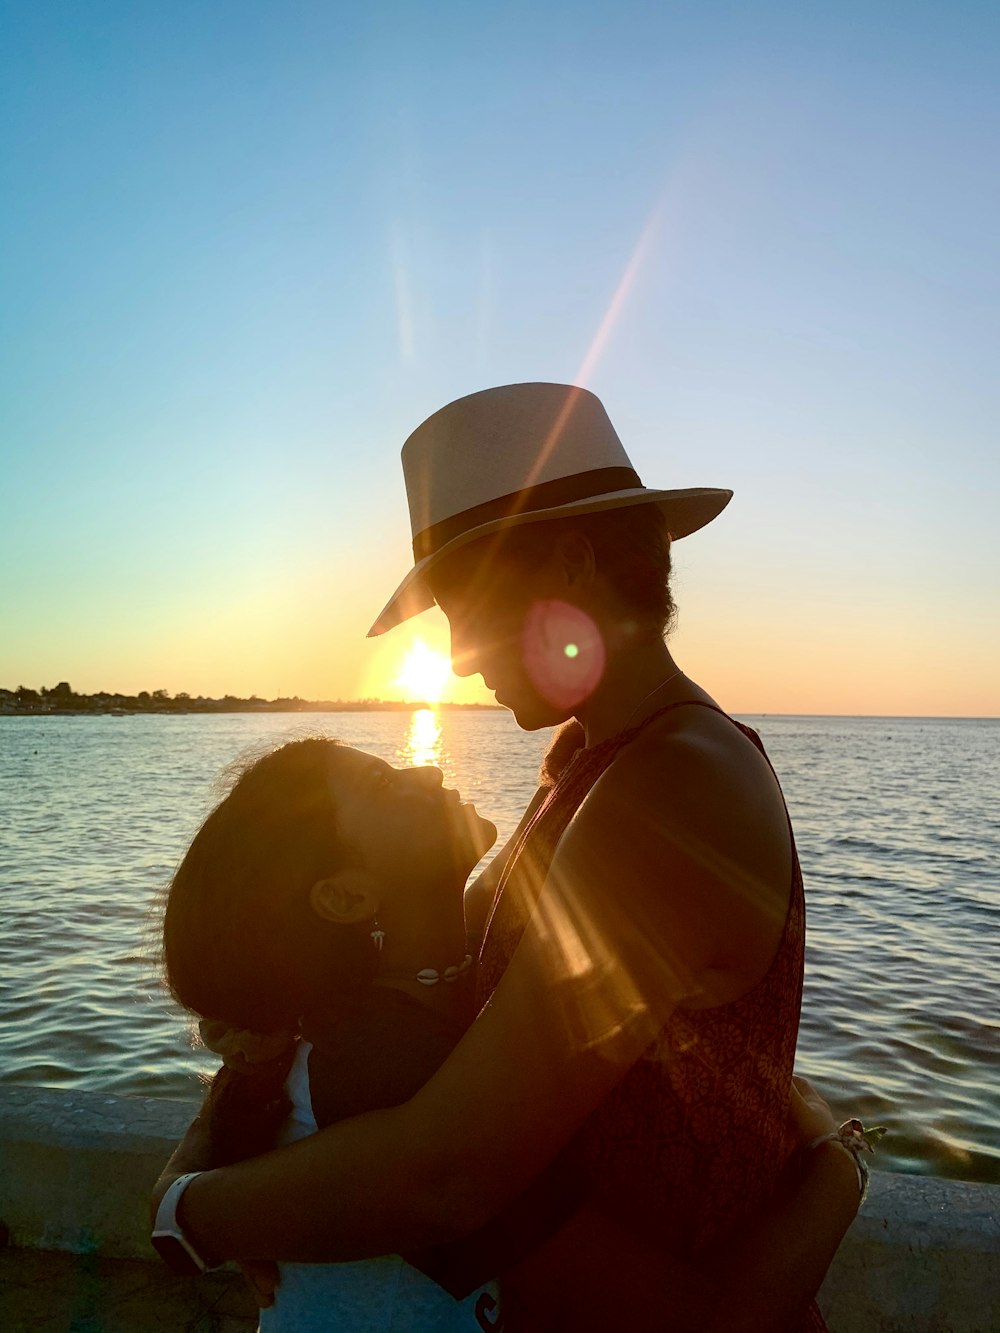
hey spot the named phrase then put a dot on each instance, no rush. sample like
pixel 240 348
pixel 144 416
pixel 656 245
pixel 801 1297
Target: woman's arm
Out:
pixel 584 994
pixel 433 1169
pixel 758 1281
pixel 594 1274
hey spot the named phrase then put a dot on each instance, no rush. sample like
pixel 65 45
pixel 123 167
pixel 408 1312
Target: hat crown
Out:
pixel 501 441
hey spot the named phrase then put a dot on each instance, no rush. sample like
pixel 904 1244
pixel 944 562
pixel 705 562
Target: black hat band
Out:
pixel 546 495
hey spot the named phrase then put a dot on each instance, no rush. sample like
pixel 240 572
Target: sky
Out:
pixel 245 249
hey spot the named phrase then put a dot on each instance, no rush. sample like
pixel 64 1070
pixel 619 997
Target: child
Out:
pixel 320 909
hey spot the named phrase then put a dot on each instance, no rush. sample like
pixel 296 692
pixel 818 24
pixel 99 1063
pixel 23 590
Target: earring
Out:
pixel 378 936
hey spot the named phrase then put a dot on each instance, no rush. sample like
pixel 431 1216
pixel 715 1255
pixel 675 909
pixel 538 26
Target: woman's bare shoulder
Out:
pixel 689 822
pixel 693 767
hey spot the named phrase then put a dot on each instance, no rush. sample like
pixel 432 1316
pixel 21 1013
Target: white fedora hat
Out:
pixel 520 453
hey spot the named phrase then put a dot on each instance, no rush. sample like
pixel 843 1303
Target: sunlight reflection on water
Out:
pixel 422 745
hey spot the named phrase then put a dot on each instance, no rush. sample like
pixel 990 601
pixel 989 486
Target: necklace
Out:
pixel 430 976
pixel 427 976
pixel 646 697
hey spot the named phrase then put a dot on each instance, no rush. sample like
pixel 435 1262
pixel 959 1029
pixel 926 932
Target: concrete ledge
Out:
pixel 76 1170
pixel 923 1256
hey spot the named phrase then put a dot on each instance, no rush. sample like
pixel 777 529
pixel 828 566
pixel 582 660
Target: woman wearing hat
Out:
pixel 640 938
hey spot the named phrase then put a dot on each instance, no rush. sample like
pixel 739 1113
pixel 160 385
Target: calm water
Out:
pixel 898 825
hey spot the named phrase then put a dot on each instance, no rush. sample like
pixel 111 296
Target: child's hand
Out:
pixel 193 1153
pixel 262 1278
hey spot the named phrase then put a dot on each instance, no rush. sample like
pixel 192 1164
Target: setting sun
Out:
pixel 424 673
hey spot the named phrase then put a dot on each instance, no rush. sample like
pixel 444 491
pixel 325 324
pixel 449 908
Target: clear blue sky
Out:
pixel 246 248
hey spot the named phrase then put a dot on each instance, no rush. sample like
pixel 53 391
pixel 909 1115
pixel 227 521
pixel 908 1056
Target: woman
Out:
pixel 641 967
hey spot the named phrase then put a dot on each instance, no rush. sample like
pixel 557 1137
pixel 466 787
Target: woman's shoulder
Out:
pixel 691 764
pixel 688 826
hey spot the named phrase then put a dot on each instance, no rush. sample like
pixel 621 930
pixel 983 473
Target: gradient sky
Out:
pixel 246 248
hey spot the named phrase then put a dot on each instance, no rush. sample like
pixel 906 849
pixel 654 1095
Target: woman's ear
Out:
pixel 346 899
pixel 576 557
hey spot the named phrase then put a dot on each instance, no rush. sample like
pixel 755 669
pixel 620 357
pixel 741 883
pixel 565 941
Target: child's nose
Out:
pixel 429 776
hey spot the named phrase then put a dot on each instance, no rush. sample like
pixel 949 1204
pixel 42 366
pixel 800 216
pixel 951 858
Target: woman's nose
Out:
pixel 463 657
pixel 428 775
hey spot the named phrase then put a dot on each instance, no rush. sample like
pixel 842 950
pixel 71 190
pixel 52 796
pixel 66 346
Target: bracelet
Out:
pixel 853 1136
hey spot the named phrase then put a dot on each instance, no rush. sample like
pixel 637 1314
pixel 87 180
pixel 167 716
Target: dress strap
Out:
pixel 680 703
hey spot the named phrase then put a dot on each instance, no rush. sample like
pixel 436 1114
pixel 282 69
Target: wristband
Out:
pixel 168 1240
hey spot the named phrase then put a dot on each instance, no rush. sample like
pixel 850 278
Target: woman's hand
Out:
pixel 809 1113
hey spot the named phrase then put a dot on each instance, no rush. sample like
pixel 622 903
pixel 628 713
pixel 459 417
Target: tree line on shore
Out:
pixel 62 698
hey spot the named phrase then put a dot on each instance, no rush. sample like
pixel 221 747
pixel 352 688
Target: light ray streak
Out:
pixel 600 340
pixel 617 303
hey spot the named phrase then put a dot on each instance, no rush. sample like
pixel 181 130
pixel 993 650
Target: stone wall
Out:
pixel 76 1169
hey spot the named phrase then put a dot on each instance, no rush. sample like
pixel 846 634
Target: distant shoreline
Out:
pixel 217 708
pixel 211 707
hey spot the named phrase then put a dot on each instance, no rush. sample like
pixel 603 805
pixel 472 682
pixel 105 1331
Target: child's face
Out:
pixel 404 825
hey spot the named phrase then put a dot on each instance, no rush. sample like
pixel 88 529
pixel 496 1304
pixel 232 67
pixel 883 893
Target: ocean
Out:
pixel 898 827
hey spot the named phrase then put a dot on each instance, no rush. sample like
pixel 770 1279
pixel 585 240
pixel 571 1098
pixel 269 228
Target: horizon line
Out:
pixel 327 705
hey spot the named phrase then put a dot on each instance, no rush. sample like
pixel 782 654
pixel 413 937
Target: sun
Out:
pixel 424 673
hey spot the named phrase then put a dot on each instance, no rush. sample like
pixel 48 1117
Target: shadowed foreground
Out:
pixel 76 1170
pixel 50 1291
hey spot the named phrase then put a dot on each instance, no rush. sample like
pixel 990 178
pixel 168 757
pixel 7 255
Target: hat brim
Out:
pixel 686 511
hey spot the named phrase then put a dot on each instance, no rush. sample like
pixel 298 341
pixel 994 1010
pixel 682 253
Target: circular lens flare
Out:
pixel 564 653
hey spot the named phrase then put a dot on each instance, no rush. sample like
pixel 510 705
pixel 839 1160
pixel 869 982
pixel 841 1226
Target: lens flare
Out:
pixel 564 653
